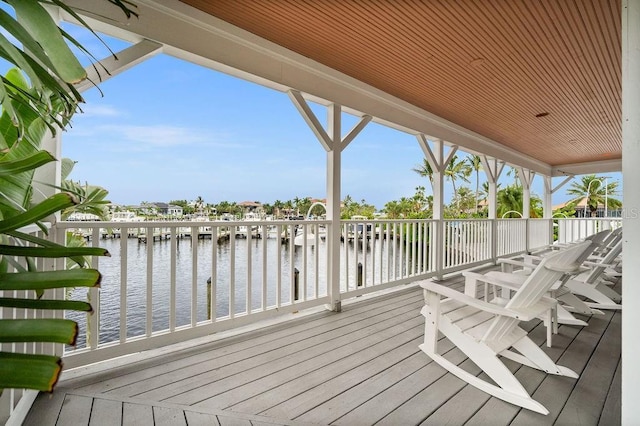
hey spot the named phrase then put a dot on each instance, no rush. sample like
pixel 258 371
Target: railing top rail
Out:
pixel 466 220
pixel 179 223
pixel 387 220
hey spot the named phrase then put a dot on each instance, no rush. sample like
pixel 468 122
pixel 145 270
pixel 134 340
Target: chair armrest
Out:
pixel 535 310
pixel 489 279
pixel 598 264
pixel 450 293
pixel 515 263
pixel 573 268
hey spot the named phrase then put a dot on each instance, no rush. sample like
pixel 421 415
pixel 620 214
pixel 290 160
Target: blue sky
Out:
pixel 167 129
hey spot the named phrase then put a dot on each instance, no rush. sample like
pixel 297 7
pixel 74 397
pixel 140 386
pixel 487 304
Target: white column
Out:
pixel 526 178
pixel 334 166
pixel 438 162
pixel 631 218
pixel 547 197
pixel 493 169
pixel 332 141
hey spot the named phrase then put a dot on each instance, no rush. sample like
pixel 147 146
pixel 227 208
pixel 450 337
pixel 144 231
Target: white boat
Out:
pixel 299 239
pixel 243 231
pixel 126 216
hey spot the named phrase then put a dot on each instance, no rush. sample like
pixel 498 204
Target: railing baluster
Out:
pixel 149 290
pixel 232 272
pixel 195 235
pixel 249 284
pixel 94 320
pixel 215 233
pixel 280 230
pixel 265 263
pixel 124 262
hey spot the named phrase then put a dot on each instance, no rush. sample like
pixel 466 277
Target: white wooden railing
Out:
pixel 573 229
pixel 155 287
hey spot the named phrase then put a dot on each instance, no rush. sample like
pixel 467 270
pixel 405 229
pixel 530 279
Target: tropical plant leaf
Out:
pixel 72 305
pixel 37 21
pixel 30 162
pixel 43 280
pixel 66 167
pixel 80 260
pixel 24 371
pixel 38 330
pixel 47 207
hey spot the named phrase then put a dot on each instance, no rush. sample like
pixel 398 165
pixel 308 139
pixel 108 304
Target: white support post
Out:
pixel 526 177
pixel 547 206
pixel 493 169
pixel 630 220
pixel 436 159
pixel 334 168
pixel 332 141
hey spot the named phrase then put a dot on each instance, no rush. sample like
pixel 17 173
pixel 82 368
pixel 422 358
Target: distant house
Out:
pixel 252 207
pixel 582 210
pixel 168 209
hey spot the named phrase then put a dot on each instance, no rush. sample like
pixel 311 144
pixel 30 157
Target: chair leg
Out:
pixel 600 300
pixel 537 358
pixel 609 292
pixel 576 305
pixel 508 387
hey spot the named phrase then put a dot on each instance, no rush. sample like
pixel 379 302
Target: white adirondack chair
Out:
pixel 485 330
pixel 570 303
pixel 591 285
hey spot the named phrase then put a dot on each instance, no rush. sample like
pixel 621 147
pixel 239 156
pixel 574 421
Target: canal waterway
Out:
pixel 277 269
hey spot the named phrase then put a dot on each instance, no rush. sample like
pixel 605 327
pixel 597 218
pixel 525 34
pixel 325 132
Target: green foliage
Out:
pixel 352 208
pixel 417 207
pixel 511 198
pixel 36 96
pixel 596 190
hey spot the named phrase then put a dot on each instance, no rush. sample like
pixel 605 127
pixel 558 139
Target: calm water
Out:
pixel 136 292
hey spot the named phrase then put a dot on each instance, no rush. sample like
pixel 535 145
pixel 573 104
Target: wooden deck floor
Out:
pixel 359 367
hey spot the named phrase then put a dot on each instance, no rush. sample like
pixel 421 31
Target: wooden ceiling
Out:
pixel 542 77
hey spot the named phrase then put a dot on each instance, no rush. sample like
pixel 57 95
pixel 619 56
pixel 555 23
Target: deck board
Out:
pixel 359 367
pixel 587 399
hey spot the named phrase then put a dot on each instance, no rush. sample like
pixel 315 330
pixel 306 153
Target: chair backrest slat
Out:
pixel 550 269
pixel 597 271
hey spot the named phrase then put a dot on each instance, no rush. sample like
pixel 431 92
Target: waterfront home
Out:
pixel 551 88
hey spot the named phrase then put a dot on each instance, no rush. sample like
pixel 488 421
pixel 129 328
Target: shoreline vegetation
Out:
pixel 465 204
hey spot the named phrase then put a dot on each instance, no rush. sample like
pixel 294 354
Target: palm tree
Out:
pixel 596 192
pixel 277 208
pixel 476 165
pixel 199 204
pixel 510 199
pixel 424 170
pixel 457 169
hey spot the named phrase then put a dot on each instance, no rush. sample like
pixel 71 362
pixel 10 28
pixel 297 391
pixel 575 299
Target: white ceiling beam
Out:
pixel 604 166
pixel 561 184
pixel 195 36
pixel 111 66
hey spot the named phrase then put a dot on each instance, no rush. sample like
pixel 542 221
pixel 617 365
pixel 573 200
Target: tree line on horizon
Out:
pixel 465 203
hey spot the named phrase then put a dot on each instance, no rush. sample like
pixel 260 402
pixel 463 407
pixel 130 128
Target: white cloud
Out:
pixel 162 136
pixel 92 110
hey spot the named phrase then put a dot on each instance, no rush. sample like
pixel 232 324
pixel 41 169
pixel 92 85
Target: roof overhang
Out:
pixel 198 37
